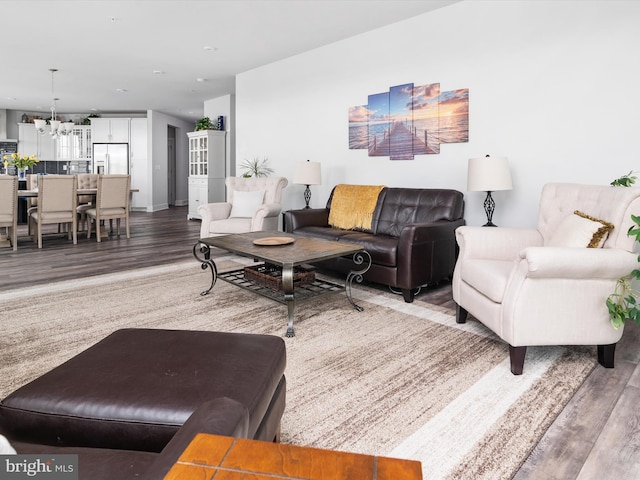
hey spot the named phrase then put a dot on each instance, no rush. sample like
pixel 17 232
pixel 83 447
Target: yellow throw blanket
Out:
pixel 352 206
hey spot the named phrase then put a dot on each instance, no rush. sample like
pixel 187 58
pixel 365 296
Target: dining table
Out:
pixel 32 193
pixel 80 191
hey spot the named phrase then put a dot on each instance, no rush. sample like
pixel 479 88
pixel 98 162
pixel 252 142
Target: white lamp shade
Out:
pixel 40 124
pixel 488 174
pixel 307 173
pixel 55 124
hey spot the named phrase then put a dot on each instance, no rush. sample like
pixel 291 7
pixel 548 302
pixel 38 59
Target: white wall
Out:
pixel 158 159
pixel 225 106
pixel 552 86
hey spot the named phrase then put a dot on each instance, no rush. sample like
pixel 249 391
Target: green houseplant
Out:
pixel 623 302
pixel 256 168
pixel 204 124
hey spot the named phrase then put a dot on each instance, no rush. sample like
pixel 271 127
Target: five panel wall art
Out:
pixel 410 120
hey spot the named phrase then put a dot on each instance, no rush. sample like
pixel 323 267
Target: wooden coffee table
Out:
pixel 298 251
pixel 213 456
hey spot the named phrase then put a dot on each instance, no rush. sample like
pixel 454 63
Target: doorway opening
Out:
pixel 171 166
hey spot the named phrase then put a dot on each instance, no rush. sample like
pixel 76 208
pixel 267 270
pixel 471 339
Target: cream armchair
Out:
pixel 542 286
pixel 253 204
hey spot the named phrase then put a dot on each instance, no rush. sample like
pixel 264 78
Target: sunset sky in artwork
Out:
pixel 428 102
pixel 455 102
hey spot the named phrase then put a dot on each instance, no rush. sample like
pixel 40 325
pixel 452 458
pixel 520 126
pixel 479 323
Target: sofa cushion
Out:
pixel 489 277
pixel 382 248
pixel 230 225
pixel 326 233
pixel 245 204
pixel 136 388
pixel 403 206
pixel 580 231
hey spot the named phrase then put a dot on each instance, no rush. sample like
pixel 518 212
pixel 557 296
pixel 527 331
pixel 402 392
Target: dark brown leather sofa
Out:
pixel 411 242
pixel 128 405
pixel 222 416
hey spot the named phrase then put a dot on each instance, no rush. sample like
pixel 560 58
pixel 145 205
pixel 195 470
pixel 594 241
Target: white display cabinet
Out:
pixel 207 169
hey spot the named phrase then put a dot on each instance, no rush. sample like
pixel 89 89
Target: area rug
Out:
pixel 397 379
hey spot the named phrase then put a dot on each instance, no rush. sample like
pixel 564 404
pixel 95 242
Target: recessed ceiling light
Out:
pixel 211 49
pixel 158 72
pixel 121 90
pixel 11 98
pixel 200 80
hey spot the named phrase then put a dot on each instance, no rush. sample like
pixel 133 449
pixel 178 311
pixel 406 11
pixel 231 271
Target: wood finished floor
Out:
pixel 597 435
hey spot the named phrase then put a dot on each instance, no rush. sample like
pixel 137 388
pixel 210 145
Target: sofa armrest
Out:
pixel 495 243
pixel 214 211
pixel 267 210
pixel 211 212
pixel 221 416
pixel 295 219
pixel 426 252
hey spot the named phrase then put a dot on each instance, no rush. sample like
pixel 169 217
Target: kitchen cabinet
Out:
pixel 31 142
pixel 207 169
pixel 76 146
pixel 110 130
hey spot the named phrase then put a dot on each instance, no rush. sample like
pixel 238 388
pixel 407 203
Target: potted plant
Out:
pixel 204 124
pixel 21 162
pixel 623 302
pixel 256 168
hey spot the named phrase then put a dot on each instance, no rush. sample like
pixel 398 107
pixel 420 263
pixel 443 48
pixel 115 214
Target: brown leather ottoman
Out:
pixel 134 389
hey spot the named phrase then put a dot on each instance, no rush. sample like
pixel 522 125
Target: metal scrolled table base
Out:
pixel 359 258
pixel 204 249
pixel 287 287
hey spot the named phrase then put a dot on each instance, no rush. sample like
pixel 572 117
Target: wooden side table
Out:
pixel 227 458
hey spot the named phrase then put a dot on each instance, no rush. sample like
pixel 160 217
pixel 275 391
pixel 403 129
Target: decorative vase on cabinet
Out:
pixel 207 169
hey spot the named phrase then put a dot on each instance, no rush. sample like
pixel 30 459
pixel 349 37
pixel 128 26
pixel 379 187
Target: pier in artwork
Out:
pixel 400 143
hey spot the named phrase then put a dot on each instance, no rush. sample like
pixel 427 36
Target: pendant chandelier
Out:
pixel 58 128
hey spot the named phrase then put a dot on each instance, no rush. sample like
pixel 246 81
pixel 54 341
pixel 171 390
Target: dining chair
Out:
pixel 112 203
pixel 32 202
pixel 85 202
pixel 9 206
pixel 57 202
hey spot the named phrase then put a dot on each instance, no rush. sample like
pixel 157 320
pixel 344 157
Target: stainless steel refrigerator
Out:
pixel 110 158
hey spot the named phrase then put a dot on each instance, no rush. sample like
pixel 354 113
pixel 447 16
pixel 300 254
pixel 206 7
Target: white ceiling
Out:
pixel 100 46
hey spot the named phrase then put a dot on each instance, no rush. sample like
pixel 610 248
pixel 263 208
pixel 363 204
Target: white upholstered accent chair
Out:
pixel 57 202
pixel 112 203
pixel 9 206
pixel 542 286
pixel 253 204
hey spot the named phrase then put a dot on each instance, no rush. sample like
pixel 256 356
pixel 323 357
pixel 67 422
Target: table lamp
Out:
pixel 307 173
pixel 488 174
